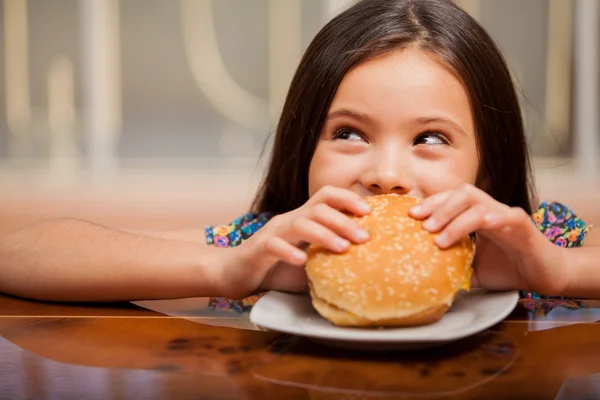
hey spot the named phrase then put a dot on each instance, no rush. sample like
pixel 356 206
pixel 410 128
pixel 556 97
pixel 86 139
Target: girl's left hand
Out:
pixel 511 253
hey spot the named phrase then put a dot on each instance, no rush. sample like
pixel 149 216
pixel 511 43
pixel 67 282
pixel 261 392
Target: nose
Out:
pixel 388 173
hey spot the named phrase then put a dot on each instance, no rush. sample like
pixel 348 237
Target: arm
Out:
pixel 583 266
pixel 70 260
pixel 183 235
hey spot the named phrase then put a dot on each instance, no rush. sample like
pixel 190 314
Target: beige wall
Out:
pixel 175 200
pixel 183 155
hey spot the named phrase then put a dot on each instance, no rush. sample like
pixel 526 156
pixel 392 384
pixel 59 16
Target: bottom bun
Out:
pixel 340 317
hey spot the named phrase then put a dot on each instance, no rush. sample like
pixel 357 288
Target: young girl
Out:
pixel 392 96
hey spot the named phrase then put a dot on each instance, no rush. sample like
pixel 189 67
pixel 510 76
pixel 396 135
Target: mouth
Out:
pixel 409 194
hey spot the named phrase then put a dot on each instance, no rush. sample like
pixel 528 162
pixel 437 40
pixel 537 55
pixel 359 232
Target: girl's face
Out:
pixel 398 124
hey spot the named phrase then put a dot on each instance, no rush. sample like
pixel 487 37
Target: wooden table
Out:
pixel 124 351
pixel 180 350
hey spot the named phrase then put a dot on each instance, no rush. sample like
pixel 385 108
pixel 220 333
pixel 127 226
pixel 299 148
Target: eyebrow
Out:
pixel 421 120
pixel 444 120
pixel 347 113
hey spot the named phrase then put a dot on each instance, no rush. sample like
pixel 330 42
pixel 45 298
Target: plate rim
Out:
pixel 512 299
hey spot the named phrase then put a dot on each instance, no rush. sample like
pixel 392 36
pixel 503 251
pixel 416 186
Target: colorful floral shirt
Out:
pixel 555 220
pixel 238 231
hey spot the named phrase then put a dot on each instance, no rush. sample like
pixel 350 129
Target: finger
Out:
pixel 454 205
pixel 306 230
pixel 283 250
pixel 469 221
pixel 339 223
pixel 510 228
pixel 428 205
pixel 342 199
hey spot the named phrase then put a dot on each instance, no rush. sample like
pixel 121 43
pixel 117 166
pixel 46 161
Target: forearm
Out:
pixel 583 268
pixel 187 235
pixel 67 260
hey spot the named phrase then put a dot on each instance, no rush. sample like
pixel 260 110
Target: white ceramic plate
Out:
pixel 471 313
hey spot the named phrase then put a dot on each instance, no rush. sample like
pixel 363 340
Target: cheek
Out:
pixel 448 175
pixel 330 168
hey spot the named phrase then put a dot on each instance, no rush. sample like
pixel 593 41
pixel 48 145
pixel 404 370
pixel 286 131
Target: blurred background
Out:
pixel 153 113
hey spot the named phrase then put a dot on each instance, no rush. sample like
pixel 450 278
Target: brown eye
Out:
pixel 431 139
pixel 347 134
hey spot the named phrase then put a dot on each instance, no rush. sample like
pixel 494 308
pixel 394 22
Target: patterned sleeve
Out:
pixel 231 235
pixel 236 232
pixel 560 225
pixel 565 229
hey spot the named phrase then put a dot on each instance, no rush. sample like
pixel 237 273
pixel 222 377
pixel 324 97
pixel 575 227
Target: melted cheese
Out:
pixel 467 283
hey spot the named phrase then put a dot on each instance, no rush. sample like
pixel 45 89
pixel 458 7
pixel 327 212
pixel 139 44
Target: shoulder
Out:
pixel 237 231
pixel 560 224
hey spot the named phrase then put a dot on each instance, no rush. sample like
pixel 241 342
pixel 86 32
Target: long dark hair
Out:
pixel 372 28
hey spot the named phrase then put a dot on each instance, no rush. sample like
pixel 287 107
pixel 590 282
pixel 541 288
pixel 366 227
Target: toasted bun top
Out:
pixel 398 273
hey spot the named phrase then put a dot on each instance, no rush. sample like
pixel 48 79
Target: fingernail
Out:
pixel 341 244
pixel 442 240
pixel 299 255
pixel 361 235
pixel 416 210
pixel 429 224
pixel 364 207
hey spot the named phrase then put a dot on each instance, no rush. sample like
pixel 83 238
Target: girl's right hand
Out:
pixel 272 258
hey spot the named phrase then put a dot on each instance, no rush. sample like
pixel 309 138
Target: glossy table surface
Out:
pixel 183 349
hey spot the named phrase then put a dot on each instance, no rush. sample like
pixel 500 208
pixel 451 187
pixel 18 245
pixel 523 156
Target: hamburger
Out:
pixel 398 278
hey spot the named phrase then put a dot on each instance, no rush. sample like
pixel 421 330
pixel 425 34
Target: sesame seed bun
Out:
pixel 398 278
